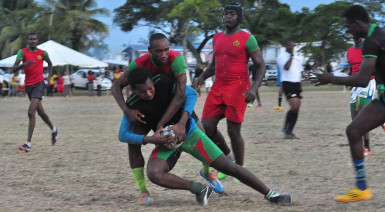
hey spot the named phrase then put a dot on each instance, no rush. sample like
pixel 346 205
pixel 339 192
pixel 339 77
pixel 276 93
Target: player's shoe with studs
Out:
pixel 25 148
pixel 367 152
pixel 54 136
pixel 145 198
pixel 213 182
pixel 277 108
pixel 204 195
pixel 280 199
pixel 354 195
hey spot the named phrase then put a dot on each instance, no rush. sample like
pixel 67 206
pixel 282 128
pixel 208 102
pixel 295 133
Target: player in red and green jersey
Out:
pixel 160 59
pixel 231 90
pixel 33 59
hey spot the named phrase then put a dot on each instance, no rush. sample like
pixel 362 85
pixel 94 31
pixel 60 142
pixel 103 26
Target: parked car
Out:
pixel 271 72
pixel 340 73
pixel 79 79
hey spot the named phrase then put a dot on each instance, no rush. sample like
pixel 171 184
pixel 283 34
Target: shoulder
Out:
pixel 143 58
pixel 173 54
pixel 244 33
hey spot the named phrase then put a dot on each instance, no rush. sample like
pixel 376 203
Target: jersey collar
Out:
pixel 32 50
pixel 371 29
pixel 234 32
pixel 152 61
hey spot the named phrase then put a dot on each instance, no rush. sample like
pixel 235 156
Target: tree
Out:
pixel 323 32
pixel 18 19
pixel 76 26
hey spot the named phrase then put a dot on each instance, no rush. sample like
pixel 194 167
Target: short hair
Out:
pixel 288 41
pixel 138 75
pixel 31 33
pixel 237 8
pixel 157 36
pixel 356 12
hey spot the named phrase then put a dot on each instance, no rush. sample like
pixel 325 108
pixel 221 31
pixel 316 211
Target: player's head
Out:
pixel 141 83
pixel 356 20
pixel 32 40
pixel 232 15
pixel 159 48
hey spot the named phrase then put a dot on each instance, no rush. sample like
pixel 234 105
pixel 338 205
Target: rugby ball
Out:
pixel 168 131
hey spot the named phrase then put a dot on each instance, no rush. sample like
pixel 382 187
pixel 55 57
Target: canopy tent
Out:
pixel 60 55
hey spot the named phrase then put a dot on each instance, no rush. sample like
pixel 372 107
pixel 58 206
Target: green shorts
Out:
pixel 360 101
pixel 196 144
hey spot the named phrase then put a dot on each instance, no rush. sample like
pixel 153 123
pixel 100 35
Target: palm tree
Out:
pixel 18 19
pixel 73 22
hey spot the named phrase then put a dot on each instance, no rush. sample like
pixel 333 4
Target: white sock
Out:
pixel 54 129
pixel 28 143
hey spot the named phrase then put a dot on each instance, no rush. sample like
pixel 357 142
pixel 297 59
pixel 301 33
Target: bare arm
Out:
pixel 288 63
pixel 49 68
pixel 361 79
pixel 176 102
pixel 17 66
pixel 210 71
pixel 260 66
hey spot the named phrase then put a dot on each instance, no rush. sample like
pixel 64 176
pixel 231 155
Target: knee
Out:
pixel 233 132
pixel 352 132
pixel 31 113
pixel 154 175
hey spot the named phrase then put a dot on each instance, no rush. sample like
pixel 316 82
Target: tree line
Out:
pixel 271 22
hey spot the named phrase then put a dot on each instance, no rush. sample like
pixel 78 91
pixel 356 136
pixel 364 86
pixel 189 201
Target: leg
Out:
pixel 368 118
pixel 292 114
pixel 237 142
pixel 366 135
pixel 210 126
pixel 223 164
pixel 43 115
pixel 31 116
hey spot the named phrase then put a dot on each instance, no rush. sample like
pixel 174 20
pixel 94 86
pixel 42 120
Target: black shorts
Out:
pixel 292 89
pixel 35 91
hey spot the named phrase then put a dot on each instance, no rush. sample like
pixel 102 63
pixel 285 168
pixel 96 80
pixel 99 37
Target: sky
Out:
pixel 117 38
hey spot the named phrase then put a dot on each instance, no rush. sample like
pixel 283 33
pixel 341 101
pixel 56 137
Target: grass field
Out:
pixel 88 169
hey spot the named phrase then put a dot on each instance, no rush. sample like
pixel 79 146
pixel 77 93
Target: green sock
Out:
pixel 139 177
pixel 206 169
pixel 196 187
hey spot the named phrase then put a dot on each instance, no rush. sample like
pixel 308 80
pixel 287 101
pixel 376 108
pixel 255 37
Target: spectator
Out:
pixel 91 79
pixel 67 81
pixel 99 79
pixel 14 84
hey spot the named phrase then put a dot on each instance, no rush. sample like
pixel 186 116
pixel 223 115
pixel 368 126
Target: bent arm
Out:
pixel 176 102
pixel 361 79
pixel 117 92
pixel 126 136
pixel 209 71
pixel 17 66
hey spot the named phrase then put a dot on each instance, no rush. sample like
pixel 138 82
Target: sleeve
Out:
pixel 252 45
pixel 191 98
pixel 20 55
pixel 178 66
pixel 370 48
pixel 131 66
pixel 45 56
pixel 126 136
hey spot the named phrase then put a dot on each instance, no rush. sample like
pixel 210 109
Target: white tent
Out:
pixel 61 55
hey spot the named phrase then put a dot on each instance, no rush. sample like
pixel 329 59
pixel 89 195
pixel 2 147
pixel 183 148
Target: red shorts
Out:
pixel 227 99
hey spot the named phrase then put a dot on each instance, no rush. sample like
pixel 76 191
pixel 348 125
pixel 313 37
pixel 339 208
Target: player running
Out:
pixel 33 59
pixel 357 22
pixel 361 96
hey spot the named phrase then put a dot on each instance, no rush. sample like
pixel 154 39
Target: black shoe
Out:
pixel 204 195
pixel 54 136
pixel 25 148
pixel 281 198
